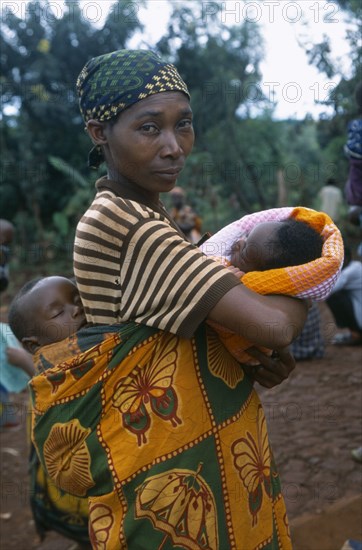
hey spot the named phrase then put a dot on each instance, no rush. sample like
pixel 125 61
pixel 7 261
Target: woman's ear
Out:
pixel 31 344
pixel 95 129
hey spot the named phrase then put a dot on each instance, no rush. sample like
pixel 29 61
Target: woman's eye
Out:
pixel 186 123
pixel 149 128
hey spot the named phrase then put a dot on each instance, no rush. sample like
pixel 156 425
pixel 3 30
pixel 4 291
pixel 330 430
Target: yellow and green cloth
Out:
pixel 165 438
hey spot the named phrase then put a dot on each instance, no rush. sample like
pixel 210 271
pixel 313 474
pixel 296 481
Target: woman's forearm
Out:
pixel 270 321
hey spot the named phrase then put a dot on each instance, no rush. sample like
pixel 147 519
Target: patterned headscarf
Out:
pixel 110 83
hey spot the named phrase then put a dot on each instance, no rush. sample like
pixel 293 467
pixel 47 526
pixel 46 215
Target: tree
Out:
pixel 242 160
pixel 331 132
pixel 42 54
pixel 220 65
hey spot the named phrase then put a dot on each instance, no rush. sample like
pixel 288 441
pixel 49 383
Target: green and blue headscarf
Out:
pixel 110 83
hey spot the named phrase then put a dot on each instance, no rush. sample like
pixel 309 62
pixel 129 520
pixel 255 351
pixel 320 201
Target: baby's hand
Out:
pixel 236 271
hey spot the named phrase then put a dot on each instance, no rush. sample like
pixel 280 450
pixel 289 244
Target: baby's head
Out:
pixel 272 245
pixel 45 311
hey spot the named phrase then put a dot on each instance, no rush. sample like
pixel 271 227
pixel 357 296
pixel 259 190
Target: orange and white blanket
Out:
pixel 314 280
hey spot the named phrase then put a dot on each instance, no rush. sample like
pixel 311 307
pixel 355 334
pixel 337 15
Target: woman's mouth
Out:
pixel 170 174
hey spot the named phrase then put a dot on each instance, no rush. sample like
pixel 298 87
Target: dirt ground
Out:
pixel 314 422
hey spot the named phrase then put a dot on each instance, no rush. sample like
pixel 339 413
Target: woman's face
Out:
pixel 149 143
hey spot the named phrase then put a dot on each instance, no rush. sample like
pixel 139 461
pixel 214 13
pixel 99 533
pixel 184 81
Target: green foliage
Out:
pixel 66 220
pixel 220 65
pixel 42 56
pixel 243 159
pixel 332 133
pixel 68 171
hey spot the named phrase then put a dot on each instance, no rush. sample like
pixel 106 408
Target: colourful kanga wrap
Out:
pixel 110 83
pixel 314 280
pixel 164 436
pixel 53 509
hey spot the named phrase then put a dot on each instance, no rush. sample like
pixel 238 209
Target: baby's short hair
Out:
pixel 297 243
pixel 17 317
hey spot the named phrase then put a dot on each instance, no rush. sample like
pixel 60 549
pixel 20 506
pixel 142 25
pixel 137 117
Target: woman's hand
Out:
pixel 272 370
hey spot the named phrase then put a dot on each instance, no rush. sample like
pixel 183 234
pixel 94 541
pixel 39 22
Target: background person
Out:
pixel 345 302
pixel 7 232
pixel 310 343
pixel 331 200
pixel 353 151
pixel 8 415
pixel 185 216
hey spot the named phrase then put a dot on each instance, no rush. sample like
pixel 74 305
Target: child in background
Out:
pixel 8 416
pixel 185 216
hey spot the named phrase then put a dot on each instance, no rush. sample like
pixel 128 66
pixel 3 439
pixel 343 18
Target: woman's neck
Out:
pixel 133 190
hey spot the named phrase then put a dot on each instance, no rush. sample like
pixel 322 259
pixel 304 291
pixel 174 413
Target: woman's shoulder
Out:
pixel 110 204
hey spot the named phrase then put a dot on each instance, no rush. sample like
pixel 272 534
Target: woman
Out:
pixel 156 423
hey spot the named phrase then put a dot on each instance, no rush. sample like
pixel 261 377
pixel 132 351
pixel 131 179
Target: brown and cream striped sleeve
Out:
pixel 130 264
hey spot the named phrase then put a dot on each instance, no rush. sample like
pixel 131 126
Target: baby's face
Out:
pixel 56 308
pixel 251 252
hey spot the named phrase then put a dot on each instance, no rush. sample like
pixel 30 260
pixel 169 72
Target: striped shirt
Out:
pixel 132 264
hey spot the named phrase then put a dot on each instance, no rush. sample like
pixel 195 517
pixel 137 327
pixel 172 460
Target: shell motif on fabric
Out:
pixel 222 364
pixel 100 524
pixel 67 458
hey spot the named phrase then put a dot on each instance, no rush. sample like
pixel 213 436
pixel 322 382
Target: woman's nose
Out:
pixel 171 146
